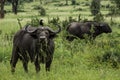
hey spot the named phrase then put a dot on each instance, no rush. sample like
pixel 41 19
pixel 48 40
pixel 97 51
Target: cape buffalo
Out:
pixel 35 44
pixel 90 28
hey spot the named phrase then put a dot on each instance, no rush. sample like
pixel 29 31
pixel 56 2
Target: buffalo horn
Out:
pixel 54 31
pixel 30 29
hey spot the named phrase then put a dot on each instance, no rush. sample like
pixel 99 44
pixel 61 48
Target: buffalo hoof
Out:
pixel 13 70
pixel 47 69
pixel 37 70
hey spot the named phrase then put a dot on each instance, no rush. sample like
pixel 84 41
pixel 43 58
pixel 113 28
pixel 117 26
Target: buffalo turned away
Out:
pixel 91 28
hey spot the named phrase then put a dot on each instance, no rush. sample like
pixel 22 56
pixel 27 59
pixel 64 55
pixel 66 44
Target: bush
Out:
pixel 113 58
pixel 98 17
pixel 67 21
pixel 110 57
pixel 113 11
pixel 117 3
pixel 60 4
pixel 54 20
pixel 73 2
pixel 34 22
pixel 95 7
pixel 42 11
pixel 0 31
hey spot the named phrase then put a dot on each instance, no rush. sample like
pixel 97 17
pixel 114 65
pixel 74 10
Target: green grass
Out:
pixel 75 60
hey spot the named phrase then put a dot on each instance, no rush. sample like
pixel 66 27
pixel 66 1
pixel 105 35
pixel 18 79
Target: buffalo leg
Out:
pixel 48 64
pixel 49 57
pixel 25 66
pixel 25 60
pixel 14 60
pixel 37 65
pixel 70 38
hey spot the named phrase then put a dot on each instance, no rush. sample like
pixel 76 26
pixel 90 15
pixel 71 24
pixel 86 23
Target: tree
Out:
pixel 2 3
pixel 117 2
pixel 66 2
pixel 40 1
pixel 73 2
pixel 95 7
pixel 115 8
pixel 14 6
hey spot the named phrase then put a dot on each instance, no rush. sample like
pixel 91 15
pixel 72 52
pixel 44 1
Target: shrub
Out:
pixel 113 11
pixel 40 9
pixel 95 7
pixel 0 31
pixel 60 4
pixel 113 58
pixel 34 22
pixel 73 2
pixel 98 17
pixel 54 20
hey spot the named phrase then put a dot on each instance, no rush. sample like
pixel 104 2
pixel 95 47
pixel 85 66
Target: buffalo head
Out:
pixel 104 27
pixel 42 33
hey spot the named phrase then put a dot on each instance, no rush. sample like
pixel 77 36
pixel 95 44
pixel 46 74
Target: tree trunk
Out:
pixel 2 2
pixel 40 1
pixel 66 2
pixel 95 7
pixel 73 2
pixel 14 6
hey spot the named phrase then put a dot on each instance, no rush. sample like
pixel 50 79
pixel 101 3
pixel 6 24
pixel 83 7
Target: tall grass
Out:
pixel 77 60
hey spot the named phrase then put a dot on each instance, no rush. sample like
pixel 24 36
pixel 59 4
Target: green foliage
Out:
pixel 77 60
pixel 117 2
pixel 95 7
pixel 54 20
pixel 67 21
pixel 98 17
pixel 42 11
pixel 22 1
pixel 60 4
pixel 113 10
pixel 111 55
pixel 73 2
pixel 0 32
pixel 34 22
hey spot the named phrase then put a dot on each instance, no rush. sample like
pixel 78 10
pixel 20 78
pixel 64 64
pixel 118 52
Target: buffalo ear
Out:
pixel 101 25
pixel 31 30
pixel 52 35
pixel 34 34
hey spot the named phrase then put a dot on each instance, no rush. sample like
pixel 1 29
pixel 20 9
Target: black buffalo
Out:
pixel 90 28
pixel 35 44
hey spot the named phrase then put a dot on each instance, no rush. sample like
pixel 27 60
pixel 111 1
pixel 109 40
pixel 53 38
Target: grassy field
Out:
pixel 75 60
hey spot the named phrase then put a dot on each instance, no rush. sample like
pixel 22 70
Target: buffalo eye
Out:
pixel 46 33
pixel 39 31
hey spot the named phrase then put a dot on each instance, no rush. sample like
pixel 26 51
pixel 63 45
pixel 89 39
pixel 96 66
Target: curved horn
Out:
pixel 59 29
pixel 30 29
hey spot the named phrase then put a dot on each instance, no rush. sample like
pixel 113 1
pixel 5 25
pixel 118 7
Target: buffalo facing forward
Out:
pixel 35 44
pixel 91 28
